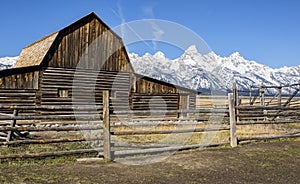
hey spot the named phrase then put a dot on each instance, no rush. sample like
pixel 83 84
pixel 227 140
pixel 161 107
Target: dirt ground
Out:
pixel 264 162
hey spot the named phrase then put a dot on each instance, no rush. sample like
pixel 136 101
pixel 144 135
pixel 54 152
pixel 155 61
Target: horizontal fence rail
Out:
pixel 271 113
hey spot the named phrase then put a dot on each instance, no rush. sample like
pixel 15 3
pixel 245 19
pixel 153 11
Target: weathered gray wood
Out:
pixel 233 137
pixel 48 141
pixel 249 122
pixel 56 117
pixel 269 112
pixel 273 113
pixel 13 124
pixel 63 128
pixel 89 160
pixel 279 98
pixel 270 137
pixel 108 156
pixel 3 134
pixel 167 124
pixel 149 132
pixel 51 107
pixel 260 108
pixel 166 149
pixel 84 91
pixel 236 100
pixel 250 94
pixel 262 95
pixel 15 97
pixel 219 110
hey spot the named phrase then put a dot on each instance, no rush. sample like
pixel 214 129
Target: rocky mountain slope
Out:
pixel 211 72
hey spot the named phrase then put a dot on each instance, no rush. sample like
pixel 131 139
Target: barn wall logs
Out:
pixel 17 98
pixel 83 88
pixel 25 80
pixel 145 85
pixel 155 102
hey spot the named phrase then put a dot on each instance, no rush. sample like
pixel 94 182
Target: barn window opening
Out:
pixel 63 93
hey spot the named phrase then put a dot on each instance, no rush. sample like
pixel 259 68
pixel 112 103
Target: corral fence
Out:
pixel 110 132
pixel 241 117
pixel 264 112
pixel 21 134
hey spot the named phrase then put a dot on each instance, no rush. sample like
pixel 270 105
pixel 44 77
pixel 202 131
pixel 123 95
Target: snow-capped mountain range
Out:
pixel 212 73
pixel 208 73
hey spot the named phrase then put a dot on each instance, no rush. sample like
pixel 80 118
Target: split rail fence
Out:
pixel 110 133
pixel 132 132
pixel 278 114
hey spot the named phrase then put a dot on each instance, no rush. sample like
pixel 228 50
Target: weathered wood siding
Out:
pixel 83 88
pixel 154 87
pixel 145 86
pixel 26 80
pixel 155 102
pixel 89 44
pixel 192 101
pixel 17 98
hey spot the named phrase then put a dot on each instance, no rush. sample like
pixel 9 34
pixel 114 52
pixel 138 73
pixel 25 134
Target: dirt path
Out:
pixel 275 162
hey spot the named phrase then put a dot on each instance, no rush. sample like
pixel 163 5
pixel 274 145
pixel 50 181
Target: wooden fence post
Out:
pixel 188 105
pixel 262 95
pixel 250 95
pixel 236 100
pixel 299 84
pixel 12 124
pixel 279 95
pixel 107 153
pixel 233 138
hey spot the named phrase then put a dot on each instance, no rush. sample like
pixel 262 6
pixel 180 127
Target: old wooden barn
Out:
pixel 73 65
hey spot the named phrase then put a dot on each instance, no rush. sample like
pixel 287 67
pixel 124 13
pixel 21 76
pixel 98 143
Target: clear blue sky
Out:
pixel 267 31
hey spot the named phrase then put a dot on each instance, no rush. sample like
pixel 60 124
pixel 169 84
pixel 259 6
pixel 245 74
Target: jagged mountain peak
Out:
pixel 192 49
pixel 204 72
pixel 235 55
pixel 159 55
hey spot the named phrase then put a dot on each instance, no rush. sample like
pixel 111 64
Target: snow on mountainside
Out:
pixel 7 62
pixel 210 72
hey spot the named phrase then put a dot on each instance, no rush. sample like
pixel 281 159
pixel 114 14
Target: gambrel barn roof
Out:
pixel 74 43
pixel 34 54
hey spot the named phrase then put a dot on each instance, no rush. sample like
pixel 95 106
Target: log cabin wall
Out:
pixel 155 102
pixel 61 87
pixel 17 97
pixel 186 99
pixel 14 79
pixel 18 88
pixel 146 86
